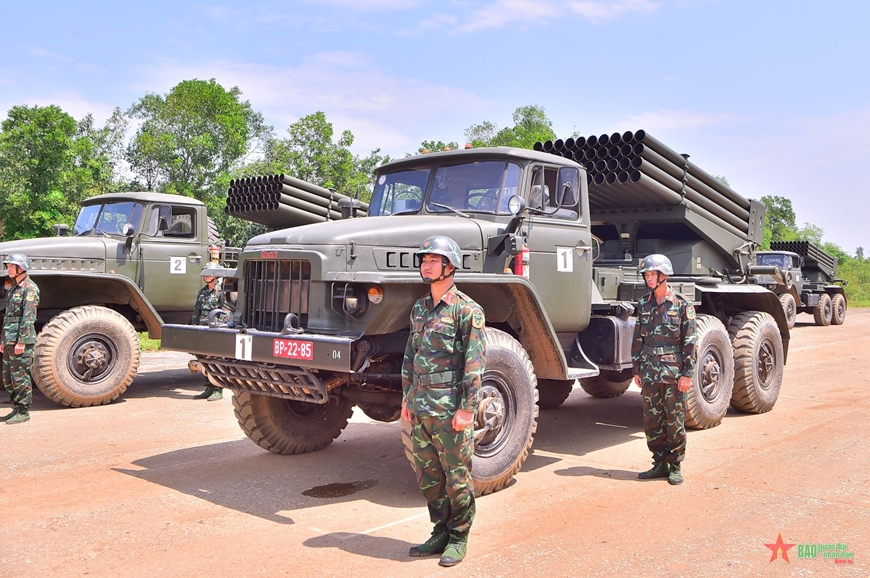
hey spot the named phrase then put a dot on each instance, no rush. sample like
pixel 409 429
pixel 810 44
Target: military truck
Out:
pixel 131 264
pixel 323 309
pixel 806 281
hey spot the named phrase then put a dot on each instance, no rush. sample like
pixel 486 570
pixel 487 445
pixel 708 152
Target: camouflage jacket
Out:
pixel 206 300
pixel 20 318
pixel 445 355
pixel 664 338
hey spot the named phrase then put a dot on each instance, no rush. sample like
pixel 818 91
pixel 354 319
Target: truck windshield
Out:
pixel 773 259
pixel 107 219
pixel 478 187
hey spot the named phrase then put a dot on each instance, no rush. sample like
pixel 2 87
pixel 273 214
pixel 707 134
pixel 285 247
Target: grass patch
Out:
pixel 148 344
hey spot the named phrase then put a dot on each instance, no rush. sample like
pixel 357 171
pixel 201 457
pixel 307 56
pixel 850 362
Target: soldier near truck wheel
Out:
pixel 441 374
pixel 209 298
pixel 19 337
pixel 663 353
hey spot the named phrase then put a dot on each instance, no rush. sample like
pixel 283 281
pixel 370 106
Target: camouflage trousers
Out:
pixel 663 416
pixel 442 462
pixel 16 375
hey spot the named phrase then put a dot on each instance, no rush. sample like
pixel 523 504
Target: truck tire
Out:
pixel 607 384
pixel 713 383
pixel 838 309
pixel 758 361
pixel 288 427
pixel 824 311
pixel 789 307
pixel 553 392
pixel 86 356
pixel 508 393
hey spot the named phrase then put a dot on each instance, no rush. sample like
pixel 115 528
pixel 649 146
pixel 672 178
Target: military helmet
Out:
pixel 208 269
pixel 18 259
pixel 657 262
pixel 444 246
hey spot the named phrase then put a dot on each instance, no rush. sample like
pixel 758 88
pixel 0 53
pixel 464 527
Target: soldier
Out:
pixel 19 337
pixel 441 374
pixel 663 353
pixel 209 298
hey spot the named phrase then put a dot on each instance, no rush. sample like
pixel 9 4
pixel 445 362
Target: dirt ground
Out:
pixel 159 485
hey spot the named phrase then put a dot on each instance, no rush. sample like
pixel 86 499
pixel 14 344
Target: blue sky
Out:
pixel 771 94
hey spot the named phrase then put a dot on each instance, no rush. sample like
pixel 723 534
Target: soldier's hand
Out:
pixel 684 384
pixel 19 348
pixel 462 419
pixel 406 415
pixel 637 381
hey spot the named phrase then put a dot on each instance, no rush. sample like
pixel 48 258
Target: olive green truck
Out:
pixel 552 256
pixel 132 263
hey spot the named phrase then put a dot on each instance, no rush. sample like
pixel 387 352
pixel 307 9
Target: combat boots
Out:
pixel 659 470
pixel 21 415
pixel 11 414
pixel 434 545
pixel 216 394
pixel 675 478
pixel 454 553
pixel 209 390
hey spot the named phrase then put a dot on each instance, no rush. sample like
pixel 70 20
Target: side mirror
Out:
pixel 516 204
pixel 128 229
pixel 60 230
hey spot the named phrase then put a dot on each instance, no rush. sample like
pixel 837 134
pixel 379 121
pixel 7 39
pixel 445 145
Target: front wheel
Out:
pixel 507 414
pixel 284 426
pixel 86 356
pixel 607 384
pixel 553 392
pixel 789 307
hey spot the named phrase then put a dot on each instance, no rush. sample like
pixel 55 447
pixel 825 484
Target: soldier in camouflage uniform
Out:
pixel 19 337
pixel 209 298
pixel 663 353
pixel 441 374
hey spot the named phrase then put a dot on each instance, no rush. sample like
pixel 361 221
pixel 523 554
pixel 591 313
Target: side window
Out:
pixel 549 185
pixel 171 222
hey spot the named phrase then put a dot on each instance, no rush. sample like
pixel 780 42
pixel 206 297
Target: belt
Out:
pixel 439 377
pixel 661 350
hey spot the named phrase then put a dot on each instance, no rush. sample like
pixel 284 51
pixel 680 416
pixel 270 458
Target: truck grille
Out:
pixel 273 289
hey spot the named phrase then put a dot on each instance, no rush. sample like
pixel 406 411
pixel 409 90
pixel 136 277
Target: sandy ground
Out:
pixel 159 485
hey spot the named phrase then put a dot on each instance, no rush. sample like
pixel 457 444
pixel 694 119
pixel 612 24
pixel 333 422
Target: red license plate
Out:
pixel 291 349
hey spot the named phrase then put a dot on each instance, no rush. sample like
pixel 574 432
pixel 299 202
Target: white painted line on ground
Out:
pixel 375 529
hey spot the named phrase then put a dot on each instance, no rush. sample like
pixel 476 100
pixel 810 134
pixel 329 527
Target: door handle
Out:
pixel 582 249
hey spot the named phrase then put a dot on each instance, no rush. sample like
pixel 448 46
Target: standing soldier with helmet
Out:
pixel 19 337
pixel 663 353
pixel 441 374
pixel 209 298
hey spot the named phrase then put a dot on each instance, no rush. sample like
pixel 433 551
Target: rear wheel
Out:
pixel 824 311
pixel 553 392
pixel 758 361
pixel 708 398
pixel 838 308
pixel 86 356
pixel 789 307
pixel 607 384
pixel 283 426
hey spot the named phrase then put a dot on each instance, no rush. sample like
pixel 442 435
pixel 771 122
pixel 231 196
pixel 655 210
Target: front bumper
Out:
pixel 263 363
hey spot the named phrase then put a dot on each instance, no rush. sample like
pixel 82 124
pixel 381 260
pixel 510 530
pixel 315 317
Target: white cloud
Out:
pixel 597 11
pixel 43 53
pixel 674 120
pixel 381 110
pixel 504 12
pixel 70 102
pixel 367 5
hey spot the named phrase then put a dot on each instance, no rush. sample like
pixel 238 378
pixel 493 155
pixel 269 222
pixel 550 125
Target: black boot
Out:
pixel 209 389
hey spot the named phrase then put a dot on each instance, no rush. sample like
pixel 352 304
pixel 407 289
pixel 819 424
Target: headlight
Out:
pixel 352 299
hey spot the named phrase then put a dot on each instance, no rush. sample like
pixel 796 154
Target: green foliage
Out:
pixel 192 137
pixel 148 344
pixel 434 146
pixel 856 273
pixel 722 180
pixel 779 220
pixel 48 163
pixel 530 126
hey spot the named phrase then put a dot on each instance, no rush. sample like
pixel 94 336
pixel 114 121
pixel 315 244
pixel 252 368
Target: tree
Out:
pixel 431 146
pixel 193 136
pixel 779 220
pixel 530 126
pixel 48 163
pixel 859 253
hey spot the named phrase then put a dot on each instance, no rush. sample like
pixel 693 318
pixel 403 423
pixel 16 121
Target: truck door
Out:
pixel 173 255
pixel 560 245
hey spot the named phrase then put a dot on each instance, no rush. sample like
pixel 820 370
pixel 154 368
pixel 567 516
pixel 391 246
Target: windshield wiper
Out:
pixel 449 208
pixel 406 212
pixel 101 232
